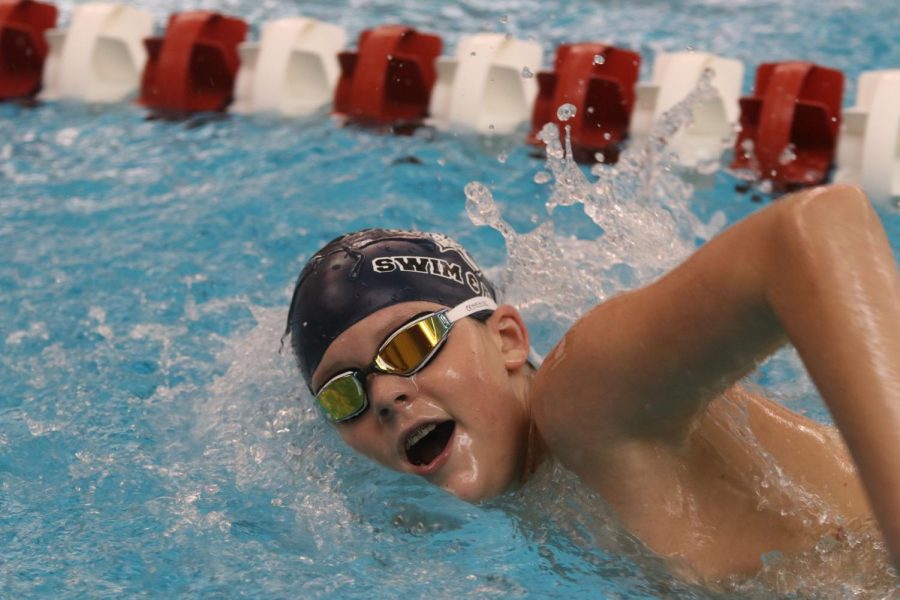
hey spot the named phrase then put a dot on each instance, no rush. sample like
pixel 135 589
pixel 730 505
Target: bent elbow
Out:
pixel 819 221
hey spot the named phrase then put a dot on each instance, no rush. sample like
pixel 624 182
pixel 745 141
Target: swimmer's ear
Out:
pixel 511 336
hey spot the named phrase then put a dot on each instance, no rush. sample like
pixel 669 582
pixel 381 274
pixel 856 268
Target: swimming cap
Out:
pixel 360 273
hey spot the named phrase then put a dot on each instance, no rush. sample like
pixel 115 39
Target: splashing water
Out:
pixel 641 206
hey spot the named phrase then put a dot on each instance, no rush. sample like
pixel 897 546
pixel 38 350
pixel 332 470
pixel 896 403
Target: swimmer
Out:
pixel 399 338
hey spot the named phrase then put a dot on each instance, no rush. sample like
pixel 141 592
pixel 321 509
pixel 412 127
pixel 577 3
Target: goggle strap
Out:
pixel 470 307
pixel 534 358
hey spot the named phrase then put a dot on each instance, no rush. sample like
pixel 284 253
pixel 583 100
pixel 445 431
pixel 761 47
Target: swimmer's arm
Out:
pixel 815 268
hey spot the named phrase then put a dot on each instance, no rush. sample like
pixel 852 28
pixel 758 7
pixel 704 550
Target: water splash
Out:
pixel 641 206
pixel 642 209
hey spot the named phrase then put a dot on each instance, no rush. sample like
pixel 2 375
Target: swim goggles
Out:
pixel 404 352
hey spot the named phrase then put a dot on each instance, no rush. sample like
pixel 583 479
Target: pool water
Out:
pixel 154 441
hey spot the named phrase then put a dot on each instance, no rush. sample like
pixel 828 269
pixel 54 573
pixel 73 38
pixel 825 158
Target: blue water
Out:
pixel 153 441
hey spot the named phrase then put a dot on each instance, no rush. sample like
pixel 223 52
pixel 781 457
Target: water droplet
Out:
pixel 599 157
pixel 501 158
pixel 787 155
pixel 541 177
pixel 599 59
pixel 480 205
pixel 527 73
pixel 707 165
pixel 607 136
pixel 566 112
pixel 765 186
pixel 504 19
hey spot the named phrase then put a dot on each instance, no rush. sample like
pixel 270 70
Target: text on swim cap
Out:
pixel 427 266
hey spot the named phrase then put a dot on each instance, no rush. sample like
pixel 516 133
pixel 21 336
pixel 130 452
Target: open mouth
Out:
pixel 427 442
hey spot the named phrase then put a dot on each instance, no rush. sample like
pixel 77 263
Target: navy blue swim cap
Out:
pixel 360 273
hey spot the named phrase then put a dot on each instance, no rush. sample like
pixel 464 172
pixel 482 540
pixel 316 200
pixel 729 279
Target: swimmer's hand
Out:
pixel 814 268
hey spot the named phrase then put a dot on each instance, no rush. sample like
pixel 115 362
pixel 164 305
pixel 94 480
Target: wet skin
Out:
pixel 639 375
pixel 485 454
pixel 694 500
pixel 634 398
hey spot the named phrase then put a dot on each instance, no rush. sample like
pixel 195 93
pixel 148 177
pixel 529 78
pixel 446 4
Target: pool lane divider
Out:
pixel 100 57
pixel 868 151
pixel 194 66
pixel 598 81
pixel 388 80
pixel 292 70
pixel 791 129
pixel 789 126
pixel 23 47
pixel 677 74
pixel 488 86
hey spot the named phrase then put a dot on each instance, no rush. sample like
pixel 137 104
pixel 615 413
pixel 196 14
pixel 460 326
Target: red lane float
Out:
pixel 599 80
pixel 23 47
pixel 193 67
pixel 388 80
pixel 789 127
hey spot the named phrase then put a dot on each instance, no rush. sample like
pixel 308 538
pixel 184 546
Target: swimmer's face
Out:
pixel 461 422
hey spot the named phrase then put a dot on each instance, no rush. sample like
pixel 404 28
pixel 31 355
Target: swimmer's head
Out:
pixel 360 273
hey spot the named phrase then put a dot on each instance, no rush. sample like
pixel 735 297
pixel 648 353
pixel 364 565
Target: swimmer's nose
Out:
pixel 387 393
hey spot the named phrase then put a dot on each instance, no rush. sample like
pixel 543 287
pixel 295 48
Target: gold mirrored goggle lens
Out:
pixel 406 350
pixel 342 398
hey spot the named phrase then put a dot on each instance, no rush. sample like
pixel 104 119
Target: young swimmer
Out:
pixel 380 327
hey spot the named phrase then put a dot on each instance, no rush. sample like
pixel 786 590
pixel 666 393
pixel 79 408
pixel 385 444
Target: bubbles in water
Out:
pixel 541 177
pixel 788 155
pixel 566 112
pixel 67 136
pixel 502 157
pixel 527 73
pixel 747 147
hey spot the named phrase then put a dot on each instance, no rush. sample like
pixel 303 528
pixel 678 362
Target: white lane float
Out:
pixel 868 151
pixel 674 76
pixel 488 86
pixel 100 57
pixel 292 70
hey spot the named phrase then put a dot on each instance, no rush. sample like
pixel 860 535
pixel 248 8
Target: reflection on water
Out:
pixel 152 440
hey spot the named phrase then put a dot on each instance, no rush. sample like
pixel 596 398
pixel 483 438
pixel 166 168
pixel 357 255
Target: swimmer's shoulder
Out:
pixel 577 393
